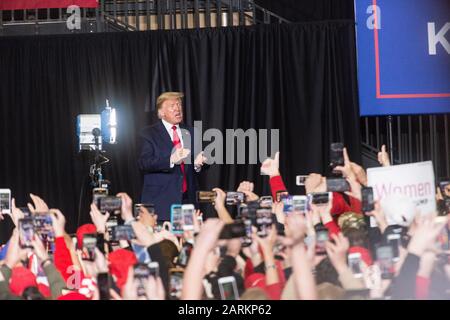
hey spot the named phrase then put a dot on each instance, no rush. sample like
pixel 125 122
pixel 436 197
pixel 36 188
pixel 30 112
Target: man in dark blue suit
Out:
pixel 166 159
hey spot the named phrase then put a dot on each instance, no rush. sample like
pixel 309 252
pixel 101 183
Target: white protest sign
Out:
pixel 413 180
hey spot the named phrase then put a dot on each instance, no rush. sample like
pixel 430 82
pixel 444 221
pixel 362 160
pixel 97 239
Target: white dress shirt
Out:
pixel 169 129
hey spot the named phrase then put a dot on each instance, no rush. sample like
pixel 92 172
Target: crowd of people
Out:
pixel 329 250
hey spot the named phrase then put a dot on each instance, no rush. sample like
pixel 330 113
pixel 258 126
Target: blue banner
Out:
pixel 403 56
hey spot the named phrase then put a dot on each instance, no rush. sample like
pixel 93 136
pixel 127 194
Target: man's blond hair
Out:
pixel 166 96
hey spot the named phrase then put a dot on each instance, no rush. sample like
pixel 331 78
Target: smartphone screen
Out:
pixel 320 198
pixel 394 241
pixel 228 288
pixel 141 274
pixel 98 193
pixel 445 188
pixel 234 198
pixel 43 226
pixel 263 221
pixel 154 269
pixel 103 283
pixel 337 185
pixel 385 261
pixel 354 262
pixel 322 237
pixel 176 219
pixel 188 211
pixel 287 204
pixel 89 245
pixel 26 232
pixel 336 154
pixel 368 203
pixel 233 230
pixel 206 196
pixel 176 284
pixel 300 204
pixel 184 255
pixel 266 202
pixel 111 223
pixel 5 201
pixel 110 204
pixel 247 240
pixel 300 180
pixel 123 232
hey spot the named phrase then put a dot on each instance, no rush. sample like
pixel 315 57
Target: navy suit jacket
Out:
pixel 163 184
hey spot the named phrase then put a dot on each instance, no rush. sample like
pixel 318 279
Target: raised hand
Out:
pixel 59 222
pixel 315 183
pixel 383 157
pixel 144 237
pixel 98 219
pixel 360 173
pixel 270 167
pixel 220 197
pixel 426 231
pixel 127 206
pixel 200 160
pixel 346 170
pixel 179 155
pixel 15 254
pixel 16 214
pixel 39 249
pixel 379 216
pixel 337 252
pixel 39 204
pixel 245 186
pixel 297 228
pixel 209 234
pixel 154 289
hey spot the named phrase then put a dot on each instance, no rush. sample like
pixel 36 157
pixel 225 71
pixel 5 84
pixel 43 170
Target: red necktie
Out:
pixel 177 145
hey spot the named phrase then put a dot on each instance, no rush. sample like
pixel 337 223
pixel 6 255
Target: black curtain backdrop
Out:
pixel 298 78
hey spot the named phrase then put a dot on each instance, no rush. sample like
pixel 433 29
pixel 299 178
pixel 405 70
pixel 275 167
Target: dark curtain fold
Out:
pixel 298 78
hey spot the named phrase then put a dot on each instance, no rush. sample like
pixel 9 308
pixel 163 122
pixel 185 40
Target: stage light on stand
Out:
pixel 109 124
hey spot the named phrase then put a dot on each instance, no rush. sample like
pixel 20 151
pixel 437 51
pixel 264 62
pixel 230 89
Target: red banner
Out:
pixel 42 4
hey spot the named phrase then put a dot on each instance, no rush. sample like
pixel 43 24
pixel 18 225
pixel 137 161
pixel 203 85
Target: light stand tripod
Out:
pixel 95 171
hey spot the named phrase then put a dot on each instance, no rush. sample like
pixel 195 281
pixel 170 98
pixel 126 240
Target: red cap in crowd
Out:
pixel 120 261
